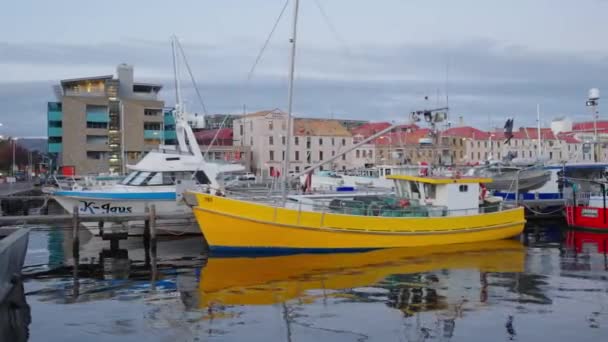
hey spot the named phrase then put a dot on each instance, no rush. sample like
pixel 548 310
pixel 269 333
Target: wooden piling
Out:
pixel 153 224
pixel 75 233
pixel 147 225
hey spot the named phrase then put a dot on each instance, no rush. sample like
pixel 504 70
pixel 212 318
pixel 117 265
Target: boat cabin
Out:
pixel 455 195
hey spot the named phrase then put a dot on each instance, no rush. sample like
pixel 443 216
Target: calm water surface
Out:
pixel 551 287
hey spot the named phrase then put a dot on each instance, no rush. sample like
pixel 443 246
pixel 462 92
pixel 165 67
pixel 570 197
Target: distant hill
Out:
pixel 34 144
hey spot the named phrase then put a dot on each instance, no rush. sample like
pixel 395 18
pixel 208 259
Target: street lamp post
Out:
pixel 14 160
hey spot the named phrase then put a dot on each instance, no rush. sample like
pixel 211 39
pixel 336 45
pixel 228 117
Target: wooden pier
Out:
pixel 74 220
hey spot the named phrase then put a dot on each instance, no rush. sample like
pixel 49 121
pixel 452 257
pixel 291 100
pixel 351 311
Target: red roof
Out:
pixel 224 136
pixel 568 138
pixel 370 128
pixel 401 137
pixel 588 126
pixel 465 132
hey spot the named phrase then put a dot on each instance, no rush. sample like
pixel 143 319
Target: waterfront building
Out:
pixel 100 124
pixel 218 145
pixel 314 140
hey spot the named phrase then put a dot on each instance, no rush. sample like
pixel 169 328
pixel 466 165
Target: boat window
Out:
pixel 129 177
pixel 415 190
pixel 202 178
pixel 169 178
pixel 429 190
pixel 463 188
pixel 155 179
pixel 140 178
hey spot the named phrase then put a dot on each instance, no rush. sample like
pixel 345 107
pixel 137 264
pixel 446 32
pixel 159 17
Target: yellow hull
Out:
pixel 235 225
pixel 270 280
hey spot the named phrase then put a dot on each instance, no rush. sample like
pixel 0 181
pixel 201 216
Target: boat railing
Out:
pixel 583 198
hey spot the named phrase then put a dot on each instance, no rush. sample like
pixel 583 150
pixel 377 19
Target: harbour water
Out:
pixel 551 286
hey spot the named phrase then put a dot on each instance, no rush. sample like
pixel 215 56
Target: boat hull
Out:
pixel 233 226
pixel 12 256
pixel 113 207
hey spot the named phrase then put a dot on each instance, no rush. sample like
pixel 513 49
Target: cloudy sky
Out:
pixel 356 59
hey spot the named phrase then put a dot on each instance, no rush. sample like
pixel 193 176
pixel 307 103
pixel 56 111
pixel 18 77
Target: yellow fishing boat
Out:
pixel 270 280
pixel 425 211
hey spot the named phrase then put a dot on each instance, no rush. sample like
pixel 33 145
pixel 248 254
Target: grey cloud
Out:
pixel 487 78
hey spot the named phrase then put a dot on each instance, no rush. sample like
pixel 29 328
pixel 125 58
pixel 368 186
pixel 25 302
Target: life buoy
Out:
pixel 484 191
pixel 424 169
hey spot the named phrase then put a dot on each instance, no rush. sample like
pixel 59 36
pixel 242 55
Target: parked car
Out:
pixel 247 177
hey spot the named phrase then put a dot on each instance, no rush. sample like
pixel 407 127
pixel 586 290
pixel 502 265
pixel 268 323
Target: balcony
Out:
pixel 153 134
pixel 55 148
pixel 54 115
pixel 170 135
pixel 55 131
pixel 98 117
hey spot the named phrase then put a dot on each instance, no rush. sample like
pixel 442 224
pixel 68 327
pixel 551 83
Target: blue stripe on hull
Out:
pixel 227 251
pixel 530 195
pixel 118 195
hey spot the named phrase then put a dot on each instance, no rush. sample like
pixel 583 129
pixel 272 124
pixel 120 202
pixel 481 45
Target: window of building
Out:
pixel 478 144
pixel 344 157
pixel 283 155
pixel 550 155
pixel 296 141
pixel 271 140
pixel 478 155
pixel 270 125
pixel 364 154
pixel 152 126
pixel 308 157
pixel 472 156
pixel 241 130
pixel 283 138
pixel 357 154
pixel 320 141
pixel 333 153
pixel 152 112
pixel 97 139
pixel 333 142
pixel 103 125
pixel 320 155
pixel 251 141
pixel 370 154
pixel 96 155
pixel 463 188
pixel 297 169
pixel 297 153
pixel 530 154
pixel 271 155
pixel 307 142
pixel 343 142
pixel 55 124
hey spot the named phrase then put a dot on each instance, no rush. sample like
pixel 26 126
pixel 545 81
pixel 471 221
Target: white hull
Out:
pixel 110 207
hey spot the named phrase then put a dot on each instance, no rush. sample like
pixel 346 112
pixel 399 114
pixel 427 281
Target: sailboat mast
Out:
pixel 178 94
pixel 538 149
pixel 292 67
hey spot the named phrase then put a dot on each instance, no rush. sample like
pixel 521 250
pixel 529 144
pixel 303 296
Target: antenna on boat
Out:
pixel 292 66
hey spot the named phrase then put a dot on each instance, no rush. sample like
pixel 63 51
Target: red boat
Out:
pixel 587 209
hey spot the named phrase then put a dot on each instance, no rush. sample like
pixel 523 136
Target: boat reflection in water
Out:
pixel 15 316
pixel 587 241
pixel 271 280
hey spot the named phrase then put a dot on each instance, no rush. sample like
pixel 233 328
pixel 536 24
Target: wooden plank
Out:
pixel 63 218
